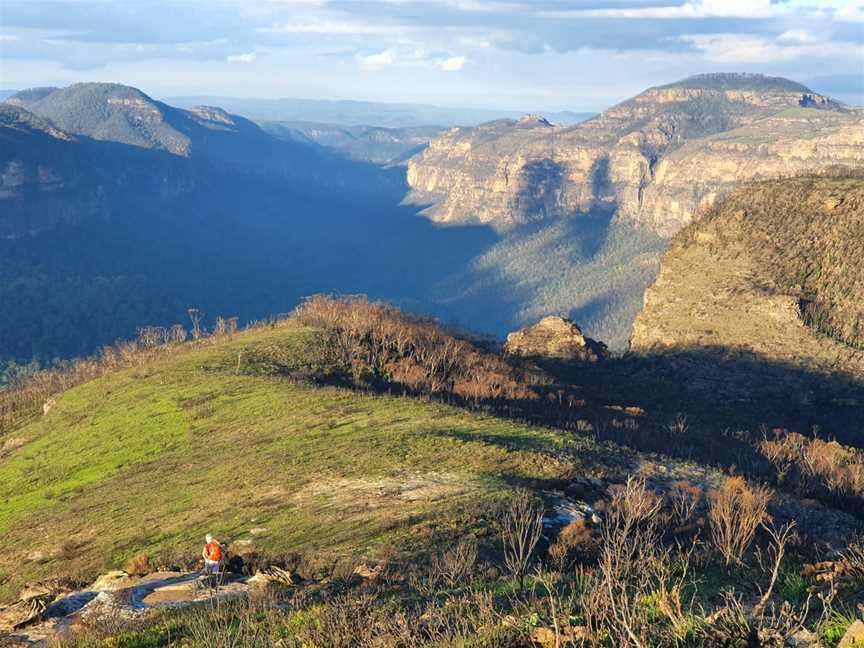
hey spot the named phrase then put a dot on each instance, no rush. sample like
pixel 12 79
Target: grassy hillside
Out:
pixel 150 458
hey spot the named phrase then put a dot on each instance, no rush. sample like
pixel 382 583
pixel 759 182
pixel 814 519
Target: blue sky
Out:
pixel 550 54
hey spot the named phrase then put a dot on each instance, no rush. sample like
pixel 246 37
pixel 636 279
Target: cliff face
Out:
pixel 765 295
pixel 655 159
pixel 788 143
pixel 44 176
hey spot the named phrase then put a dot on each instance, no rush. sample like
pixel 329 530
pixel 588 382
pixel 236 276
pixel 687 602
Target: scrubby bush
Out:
pixel 377 345
pixel 736 512
pixel 812 466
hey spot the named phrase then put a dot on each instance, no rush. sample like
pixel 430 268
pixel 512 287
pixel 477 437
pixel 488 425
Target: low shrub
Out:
pixel 736 512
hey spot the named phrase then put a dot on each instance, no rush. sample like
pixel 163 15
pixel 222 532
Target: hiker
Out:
pixel 212 554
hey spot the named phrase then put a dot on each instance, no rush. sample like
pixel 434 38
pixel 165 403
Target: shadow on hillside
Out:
pixel 588 455
pixel 728 401
pixel 730 389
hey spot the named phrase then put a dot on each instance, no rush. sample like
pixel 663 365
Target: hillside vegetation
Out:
pixel 379 466
pixel 805 236
pixel 789 250
pixel 758 307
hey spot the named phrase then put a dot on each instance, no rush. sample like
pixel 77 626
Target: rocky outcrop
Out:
pixel 761 301
pixel 655 159
pixel 554 338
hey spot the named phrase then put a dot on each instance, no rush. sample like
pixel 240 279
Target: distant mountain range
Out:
pixel 118 210
pixel 363 113
pixel 370 143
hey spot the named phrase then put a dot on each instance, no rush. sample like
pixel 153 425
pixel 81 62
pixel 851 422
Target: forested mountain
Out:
pixel 135 211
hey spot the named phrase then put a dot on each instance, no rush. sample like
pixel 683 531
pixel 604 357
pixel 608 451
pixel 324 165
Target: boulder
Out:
pixel 366 572
pixel 545 637
pixel 53 587
pixel 273 574
pixel 803 639
pixel 556 338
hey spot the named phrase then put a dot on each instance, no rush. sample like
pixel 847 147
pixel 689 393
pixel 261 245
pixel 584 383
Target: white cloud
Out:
pixel 324 27
pixel 405 56
pixel 241 58
pixel 453 64
pixel 850 14
pixel 692 9
pixel 796 36
pixel 745 48
pixel 377 61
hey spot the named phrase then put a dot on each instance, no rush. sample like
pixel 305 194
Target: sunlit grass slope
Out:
pixel 150 458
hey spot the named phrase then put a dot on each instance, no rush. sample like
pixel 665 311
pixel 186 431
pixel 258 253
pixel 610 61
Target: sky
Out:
pixel 581 55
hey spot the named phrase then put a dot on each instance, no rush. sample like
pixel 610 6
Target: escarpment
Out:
pixel 655 159
pixel 764 296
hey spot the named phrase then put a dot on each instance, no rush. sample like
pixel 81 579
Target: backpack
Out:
pixel 214 551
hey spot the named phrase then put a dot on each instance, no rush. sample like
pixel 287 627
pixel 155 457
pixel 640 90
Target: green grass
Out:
pixel 835 627
pixel 151 458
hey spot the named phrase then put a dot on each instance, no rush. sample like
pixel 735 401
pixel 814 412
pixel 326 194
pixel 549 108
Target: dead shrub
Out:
pixel 138 565
pixel 685 501
pixel 735 512
pixel 853 556
pixel 576 543
pixel 813 466
pixel 378 345
pixel 521 526
pixel 455 566
pixel 630 544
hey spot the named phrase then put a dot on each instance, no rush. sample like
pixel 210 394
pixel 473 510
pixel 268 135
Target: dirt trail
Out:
pixel 117 595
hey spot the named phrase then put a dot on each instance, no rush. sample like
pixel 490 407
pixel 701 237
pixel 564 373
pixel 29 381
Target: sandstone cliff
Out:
pixel 655 159
pixel 765 296
pixel 45 169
